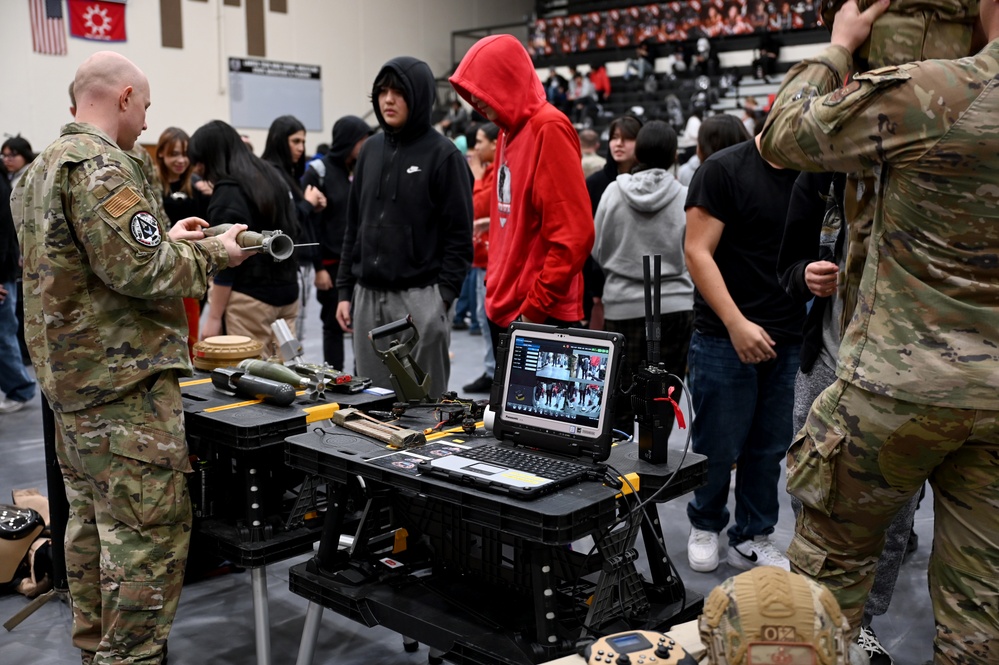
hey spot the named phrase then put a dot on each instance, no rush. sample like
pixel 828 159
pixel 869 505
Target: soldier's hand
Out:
pixel 852 27
pixel 188 229
pixel 232 248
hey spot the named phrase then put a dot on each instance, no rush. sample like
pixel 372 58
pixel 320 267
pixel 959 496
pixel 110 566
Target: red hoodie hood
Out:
pixel 499 71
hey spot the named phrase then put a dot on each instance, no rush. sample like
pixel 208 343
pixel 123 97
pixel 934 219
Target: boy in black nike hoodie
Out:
pixel 408 243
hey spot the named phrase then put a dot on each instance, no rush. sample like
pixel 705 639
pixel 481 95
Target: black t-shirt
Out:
pixel 750 197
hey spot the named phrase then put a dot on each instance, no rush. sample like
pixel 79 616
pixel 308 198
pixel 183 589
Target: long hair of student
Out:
pixel 221 151
pixel 278 153
pixel 168 138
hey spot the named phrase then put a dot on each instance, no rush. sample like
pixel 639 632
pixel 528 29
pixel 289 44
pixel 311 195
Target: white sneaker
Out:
pixel 760 551
pixel 702 550
pixel 11 405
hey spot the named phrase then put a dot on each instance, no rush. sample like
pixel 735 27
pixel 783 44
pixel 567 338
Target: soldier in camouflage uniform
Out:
pixel 915 397
pixel 106 331
pixel 910 30
pixel 147 167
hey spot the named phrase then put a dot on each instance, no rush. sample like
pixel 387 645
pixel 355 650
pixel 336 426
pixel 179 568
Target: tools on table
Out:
pixel 393 435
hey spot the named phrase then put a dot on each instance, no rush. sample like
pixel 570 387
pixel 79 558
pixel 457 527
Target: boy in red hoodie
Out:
pixel 541 227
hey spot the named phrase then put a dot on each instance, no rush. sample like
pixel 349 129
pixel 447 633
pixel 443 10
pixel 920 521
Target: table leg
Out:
pixel 652 530
pixel 261 616
pixel 543 582
pixel 310 633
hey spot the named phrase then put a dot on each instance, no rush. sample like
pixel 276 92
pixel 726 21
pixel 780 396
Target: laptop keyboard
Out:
pixel 538 465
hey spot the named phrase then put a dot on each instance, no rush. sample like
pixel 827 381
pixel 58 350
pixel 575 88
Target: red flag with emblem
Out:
pixel 97 19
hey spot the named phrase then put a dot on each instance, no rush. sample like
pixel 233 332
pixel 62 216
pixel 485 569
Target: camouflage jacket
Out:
pixel 926 327
pixel 913 30
pixel 148 169
pixel 102 280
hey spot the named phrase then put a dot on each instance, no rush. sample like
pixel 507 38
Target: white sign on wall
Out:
pixel 261 90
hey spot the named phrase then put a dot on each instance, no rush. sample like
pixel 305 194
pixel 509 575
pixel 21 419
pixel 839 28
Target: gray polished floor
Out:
pixel 215 623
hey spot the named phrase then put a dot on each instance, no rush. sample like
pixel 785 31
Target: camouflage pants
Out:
pixel 859 458
pixel 129 524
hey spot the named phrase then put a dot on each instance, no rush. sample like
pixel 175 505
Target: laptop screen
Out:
pixel 556 387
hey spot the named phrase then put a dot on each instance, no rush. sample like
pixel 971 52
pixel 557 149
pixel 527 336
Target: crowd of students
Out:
pixel 402 219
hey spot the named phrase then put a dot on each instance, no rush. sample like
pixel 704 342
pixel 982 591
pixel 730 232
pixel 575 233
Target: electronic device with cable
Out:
pixel 655 391
pixel 551 414
pixel 639 647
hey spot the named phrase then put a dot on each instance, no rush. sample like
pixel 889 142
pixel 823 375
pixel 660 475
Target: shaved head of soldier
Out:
pixel 112 94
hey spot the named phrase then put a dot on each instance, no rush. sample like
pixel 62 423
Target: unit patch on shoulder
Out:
pixel 145 229
pixel 842 93
pixel 124 199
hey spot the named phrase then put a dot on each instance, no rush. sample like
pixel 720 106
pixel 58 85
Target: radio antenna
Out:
pixel 653 324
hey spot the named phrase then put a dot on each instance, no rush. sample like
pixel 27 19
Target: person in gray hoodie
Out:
pixel 641 213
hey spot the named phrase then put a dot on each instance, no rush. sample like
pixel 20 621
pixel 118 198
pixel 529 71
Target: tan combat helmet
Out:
pixel 770 616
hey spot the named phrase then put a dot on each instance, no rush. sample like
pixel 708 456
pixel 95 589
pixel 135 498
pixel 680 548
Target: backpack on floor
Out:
pixel 25 545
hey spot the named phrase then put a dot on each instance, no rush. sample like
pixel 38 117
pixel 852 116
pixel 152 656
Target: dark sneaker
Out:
pixel 483 384
pixel 869 644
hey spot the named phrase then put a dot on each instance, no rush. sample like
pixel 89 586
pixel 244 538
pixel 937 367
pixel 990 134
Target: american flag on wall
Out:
pixel 48 30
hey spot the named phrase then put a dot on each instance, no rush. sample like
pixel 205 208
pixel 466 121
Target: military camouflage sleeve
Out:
pixel 124 241
pixel 817 123
pixel 154 192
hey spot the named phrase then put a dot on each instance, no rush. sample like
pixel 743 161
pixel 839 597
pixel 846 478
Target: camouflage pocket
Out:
pixel 139 621
pixel 811 467
pixel 154 431
pixel 139 596
pixel 805 556
pixel 152 446
pixel 146 490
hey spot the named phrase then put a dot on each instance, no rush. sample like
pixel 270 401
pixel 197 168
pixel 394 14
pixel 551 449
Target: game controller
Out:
pixel 639 647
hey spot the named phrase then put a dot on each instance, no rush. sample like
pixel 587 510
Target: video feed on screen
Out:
pixel 557 381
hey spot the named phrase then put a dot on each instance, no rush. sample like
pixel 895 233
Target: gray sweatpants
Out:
pixel 806 388
pixel 371 309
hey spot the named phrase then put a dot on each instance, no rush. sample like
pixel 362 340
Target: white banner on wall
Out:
pixel 261 90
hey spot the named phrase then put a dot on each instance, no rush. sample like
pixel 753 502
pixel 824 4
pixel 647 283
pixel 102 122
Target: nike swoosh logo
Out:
pixel 413 169
pixel 747 557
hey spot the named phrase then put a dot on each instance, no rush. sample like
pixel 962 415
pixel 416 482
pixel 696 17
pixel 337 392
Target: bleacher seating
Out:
pixel 725 94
